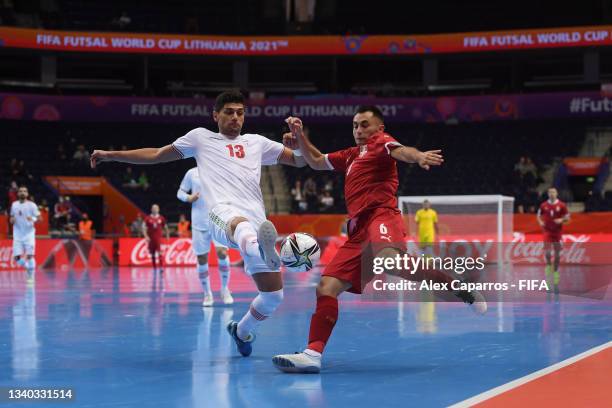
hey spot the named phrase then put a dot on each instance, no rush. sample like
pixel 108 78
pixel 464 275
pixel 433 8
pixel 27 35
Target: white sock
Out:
pixel 245 236
pixel 312 353
pixel 204 279
pixel 224 272
pixel 31 263
pixel 261 308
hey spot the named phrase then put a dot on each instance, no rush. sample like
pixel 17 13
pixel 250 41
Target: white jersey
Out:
pixel 229 169
pixel 199 211
pixel 23 230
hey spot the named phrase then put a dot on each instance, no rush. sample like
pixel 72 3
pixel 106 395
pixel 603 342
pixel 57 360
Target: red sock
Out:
pixel 322 322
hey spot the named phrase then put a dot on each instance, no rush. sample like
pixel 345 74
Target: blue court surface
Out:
pixel 134 338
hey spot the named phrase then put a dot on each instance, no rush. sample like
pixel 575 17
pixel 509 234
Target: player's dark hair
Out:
pixel 371 108
pixel 233 96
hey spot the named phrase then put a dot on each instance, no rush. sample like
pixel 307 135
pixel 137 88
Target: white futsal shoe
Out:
pixel 226 297
pixel 208 300
pixel 266 236
pixel 305 362
pixel 475 299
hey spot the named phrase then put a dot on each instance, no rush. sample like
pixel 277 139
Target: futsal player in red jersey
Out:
pixel 371 182
pixel 552 214
pixel 152 231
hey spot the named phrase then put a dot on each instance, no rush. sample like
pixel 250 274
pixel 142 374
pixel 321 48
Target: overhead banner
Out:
pixel 76 185
pixel 445 109
pixel 583 166
pixel 114 42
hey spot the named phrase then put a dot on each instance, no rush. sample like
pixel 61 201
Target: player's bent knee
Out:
pixel 270 301
pixel 331 287
pixel 202 259
pixel 234 223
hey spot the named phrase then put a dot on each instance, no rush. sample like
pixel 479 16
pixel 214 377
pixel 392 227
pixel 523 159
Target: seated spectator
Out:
pixel 81 155
pixel 310 193
pixel 143 181
pixel 328 184
pixel 12 193
pixel 136 226
pixel 18 171
pixel 123 21
pixel 61 213
pixel 521 166
pixel 183 227
pixel 530 168
pixel 327 201
pixel 129 178
pixel 60 153
pixel 298 195
pixel 124 230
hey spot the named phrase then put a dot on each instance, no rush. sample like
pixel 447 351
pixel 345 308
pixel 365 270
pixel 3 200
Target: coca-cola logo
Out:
pixel 178 252
pixel 519 250
pixel 6 257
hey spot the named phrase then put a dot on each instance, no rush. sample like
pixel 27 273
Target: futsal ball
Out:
pixel 300 252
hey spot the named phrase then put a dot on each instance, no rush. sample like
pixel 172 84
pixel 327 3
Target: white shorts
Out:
pixel 27 246
pixel 219 218
pixel 200 241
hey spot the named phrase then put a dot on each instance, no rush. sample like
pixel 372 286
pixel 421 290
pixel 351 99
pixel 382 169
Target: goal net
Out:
pixel 464 217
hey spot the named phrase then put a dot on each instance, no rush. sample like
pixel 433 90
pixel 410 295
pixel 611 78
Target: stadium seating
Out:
pixel 479 158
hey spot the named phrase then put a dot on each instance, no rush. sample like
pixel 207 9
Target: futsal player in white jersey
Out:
pixel 189 192
pixel 24 214
pixel 229 166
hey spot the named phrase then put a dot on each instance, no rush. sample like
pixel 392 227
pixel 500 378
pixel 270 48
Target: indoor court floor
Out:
pixel 125 337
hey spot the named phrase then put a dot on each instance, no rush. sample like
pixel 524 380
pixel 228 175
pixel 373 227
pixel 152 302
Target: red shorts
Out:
pixel 552 237
pixel 383 228
pixel 154 245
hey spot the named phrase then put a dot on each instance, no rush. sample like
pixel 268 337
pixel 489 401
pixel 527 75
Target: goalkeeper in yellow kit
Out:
pixel 427 220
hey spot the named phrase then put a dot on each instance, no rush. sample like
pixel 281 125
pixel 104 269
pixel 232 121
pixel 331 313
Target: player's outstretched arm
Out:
pixel 312 155
pixel 149 155
pixel 290 156
pixel 424 159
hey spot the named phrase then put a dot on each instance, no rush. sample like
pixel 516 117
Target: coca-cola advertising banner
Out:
pixel 61 253
pixel 175 252
pixel 582 249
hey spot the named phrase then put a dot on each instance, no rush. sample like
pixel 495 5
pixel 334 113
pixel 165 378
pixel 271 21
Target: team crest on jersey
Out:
pixel 363 150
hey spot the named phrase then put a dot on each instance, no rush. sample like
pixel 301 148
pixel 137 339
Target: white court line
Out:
pixel 529 377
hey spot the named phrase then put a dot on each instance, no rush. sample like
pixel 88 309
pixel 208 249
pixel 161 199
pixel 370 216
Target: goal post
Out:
pixel 464 216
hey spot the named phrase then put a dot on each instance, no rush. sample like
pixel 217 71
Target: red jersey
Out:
pixel 155 226
pixel 371 179
pixel 551 211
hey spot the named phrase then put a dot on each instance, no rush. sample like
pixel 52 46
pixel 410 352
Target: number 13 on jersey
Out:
pixel 236 150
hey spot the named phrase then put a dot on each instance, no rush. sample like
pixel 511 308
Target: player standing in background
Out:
pixel 189 192
pixel 229 166
pixel 152 231
pixel 24 214
pixel 371 182
pixel 427 221
pixel 552 214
